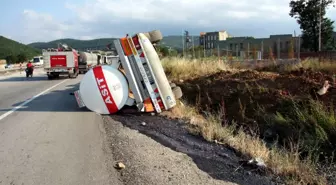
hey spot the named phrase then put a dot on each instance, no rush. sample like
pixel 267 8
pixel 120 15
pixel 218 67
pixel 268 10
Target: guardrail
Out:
pixel 16 69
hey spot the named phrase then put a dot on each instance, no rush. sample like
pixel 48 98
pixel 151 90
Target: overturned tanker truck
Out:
pixel 136 79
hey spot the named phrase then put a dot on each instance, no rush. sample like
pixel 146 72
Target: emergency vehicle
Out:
pixel 61 61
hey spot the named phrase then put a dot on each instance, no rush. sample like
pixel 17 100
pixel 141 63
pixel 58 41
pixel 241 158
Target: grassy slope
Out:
pixel 11 47
pixel 283 162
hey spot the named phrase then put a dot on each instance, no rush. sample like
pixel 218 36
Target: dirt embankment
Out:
pixel 255 99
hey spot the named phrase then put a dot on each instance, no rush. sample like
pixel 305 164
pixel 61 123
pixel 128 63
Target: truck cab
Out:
pixel 38 61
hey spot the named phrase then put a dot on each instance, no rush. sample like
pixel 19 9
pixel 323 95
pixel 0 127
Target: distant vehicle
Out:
pixel 63 61
pixel 88 60
pixel 109 59
pixel 38 61
pixel 9 66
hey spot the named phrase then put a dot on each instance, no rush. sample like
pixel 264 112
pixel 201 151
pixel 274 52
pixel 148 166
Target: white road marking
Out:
pixel 29 100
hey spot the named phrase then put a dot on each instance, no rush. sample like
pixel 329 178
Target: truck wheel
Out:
pixel 155 36
pixel 73 75
pixel 50 77
pixel 177 92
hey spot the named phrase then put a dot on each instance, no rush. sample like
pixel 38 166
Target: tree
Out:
pixel 11 59
pixel 21 57
pixel 307 13
pixel 165 51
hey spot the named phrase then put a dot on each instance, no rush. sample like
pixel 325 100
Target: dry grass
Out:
pixel 315 65
pixel 282 162
pixel 181 69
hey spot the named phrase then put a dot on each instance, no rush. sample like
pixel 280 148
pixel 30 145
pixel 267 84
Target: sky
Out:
pixel 30 21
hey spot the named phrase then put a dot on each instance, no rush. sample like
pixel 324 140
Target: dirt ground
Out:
pixel 240 96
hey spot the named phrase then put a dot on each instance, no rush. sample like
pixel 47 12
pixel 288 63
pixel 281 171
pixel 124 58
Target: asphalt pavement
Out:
pixel 46 139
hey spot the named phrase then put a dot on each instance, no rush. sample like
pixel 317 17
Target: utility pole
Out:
pixel 262 49
pixel 296 40
pixel 193 46
pixel 320 25
pixel 278 48
pixel 187 42
pixel 299 45
pixel 237 50
pixel 204 44
pixel 248 50
pixel 183 43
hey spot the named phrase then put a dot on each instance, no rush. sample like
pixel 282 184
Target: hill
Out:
pixel 11 48
pixel 176 41
pixel 101 44
pixel 74 43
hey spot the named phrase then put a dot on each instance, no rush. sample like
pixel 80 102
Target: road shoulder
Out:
pixel 162 152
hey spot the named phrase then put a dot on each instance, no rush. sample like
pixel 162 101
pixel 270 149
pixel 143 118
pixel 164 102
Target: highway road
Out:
pixel 45 139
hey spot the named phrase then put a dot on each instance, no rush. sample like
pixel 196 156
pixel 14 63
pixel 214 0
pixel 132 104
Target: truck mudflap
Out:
pixel 79 100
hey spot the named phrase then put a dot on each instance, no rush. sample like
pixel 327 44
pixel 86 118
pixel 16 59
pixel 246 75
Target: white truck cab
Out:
pixel 38 61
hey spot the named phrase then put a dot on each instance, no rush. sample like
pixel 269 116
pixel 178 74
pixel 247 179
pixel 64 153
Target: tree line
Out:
pixel 14 59
pixel 309 14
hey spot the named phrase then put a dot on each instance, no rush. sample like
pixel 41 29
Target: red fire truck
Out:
pixel 61 61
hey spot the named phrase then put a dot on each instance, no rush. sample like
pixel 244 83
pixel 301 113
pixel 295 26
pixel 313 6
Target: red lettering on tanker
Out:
pixel 104 90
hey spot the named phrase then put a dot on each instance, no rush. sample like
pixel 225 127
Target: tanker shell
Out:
pixel 104 90
pixel 165 90
pixel 88 58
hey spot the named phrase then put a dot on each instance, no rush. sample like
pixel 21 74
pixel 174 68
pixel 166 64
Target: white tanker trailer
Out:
pixel 137 79
pixel 87 60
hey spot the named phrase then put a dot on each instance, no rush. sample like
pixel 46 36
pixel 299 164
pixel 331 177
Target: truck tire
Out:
pixel 72 75
pixel 50 77
pixel 177 92
pixel 155 36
